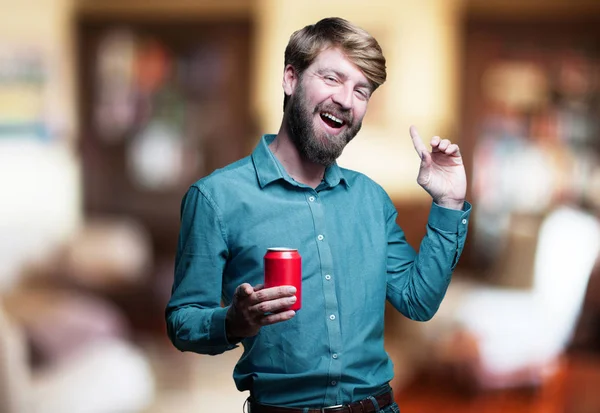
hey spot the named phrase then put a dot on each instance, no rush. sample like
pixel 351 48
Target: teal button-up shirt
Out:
pixel 354 257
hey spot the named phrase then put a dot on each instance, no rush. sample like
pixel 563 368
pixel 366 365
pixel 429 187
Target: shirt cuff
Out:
pixel 218 332
pixel 449 220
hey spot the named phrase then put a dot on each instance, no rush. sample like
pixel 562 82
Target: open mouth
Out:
pixel 331 120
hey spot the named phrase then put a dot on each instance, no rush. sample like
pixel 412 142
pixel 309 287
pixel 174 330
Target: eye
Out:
pixel 331 80
pixel 362 94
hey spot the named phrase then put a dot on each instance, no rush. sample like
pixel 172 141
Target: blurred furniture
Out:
pixel 530 103
pixel 13 367
pixel 107 375
pixel 107 254
pixel 65 346
pixel 508 337
pixel 165 100
pixel 587 334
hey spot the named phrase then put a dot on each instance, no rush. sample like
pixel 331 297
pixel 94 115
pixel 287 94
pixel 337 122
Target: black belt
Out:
pixel 363 406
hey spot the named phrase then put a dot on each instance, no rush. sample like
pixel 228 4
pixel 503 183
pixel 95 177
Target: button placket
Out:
pixel 318 211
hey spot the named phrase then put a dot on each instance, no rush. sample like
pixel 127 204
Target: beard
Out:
pixel 318 146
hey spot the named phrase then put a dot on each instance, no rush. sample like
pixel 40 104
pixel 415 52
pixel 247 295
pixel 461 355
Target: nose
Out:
pixel 343 97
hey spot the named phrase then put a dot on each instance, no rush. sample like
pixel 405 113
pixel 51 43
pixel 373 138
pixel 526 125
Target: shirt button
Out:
pixel 334 355
pixel 464 221
pixel 311 198
pixel 328 277
pixel 320 237
pixel 333 382
pixel 332 317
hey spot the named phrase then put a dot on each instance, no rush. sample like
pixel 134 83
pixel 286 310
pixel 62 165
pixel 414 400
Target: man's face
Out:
pixel 327 106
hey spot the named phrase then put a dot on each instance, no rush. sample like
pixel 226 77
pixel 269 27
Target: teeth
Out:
pixel 333 118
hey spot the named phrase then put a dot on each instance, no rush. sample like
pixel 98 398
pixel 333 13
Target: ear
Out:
pixel 290 79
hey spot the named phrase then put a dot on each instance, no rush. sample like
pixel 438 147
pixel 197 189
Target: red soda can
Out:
pixel 283 266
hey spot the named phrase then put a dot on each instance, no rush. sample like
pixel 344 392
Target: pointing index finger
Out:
pixel 417 141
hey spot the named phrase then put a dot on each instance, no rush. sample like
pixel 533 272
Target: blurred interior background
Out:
pixel 110 109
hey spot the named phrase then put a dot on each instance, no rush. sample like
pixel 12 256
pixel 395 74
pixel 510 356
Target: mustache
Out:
pixel 343 114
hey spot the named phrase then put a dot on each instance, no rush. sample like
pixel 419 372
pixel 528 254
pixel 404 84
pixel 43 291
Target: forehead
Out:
pixel 333 59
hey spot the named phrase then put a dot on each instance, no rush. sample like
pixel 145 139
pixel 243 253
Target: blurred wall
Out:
pixel 45 26
pixel 39 173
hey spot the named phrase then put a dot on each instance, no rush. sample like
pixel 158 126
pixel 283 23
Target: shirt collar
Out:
pixel 269 169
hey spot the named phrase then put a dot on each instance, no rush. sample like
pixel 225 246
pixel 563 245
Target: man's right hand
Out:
pixel 254 307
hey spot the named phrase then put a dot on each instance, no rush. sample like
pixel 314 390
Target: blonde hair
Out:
pixel 359 47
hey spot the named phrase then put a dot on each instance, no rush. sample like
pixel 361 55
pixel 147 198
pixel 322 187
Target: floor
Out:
pixel 189 383
pixel 576 389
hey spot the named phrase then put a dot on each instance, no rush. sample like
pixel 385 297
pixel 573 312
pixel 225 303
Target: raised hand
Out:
pixel 442 173
pixel 254 307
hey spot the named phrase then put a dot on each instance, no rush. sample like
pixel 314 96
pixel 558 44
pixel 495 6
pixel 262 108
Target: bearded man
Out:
pixel 329 356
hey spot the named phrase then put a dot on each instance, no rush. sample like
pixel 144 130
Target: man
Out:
pixel 329 356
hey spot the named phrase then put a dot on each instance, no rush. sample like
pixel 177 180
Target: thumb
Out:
pixel 244 290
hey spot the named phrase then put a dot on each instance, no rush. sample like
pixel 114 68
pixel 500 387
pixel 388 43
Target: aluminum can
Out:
pixel 283 266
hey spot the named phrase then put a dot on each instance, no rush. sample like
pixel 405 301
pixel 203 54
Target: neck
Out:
pixel 300 169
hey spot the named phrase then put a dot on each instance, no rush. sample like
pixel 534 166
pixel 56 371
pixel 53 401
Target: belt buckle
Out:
pixel 326 409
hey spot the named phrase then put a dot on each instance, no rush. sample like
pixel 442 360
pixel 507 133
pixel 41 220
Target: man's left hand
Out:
pixel 442 173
